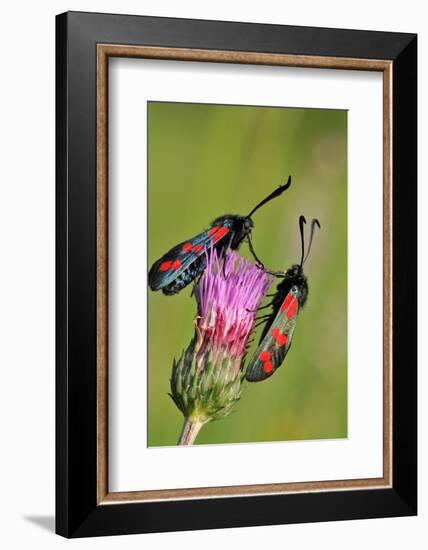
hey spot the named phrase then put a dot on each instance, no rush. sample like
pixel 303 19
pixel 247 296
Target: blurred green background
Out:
pixel 209 160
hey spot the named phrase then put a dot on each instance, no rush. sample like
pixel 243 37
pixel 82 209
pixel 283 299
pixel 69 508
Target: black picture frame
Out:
pixel 78 513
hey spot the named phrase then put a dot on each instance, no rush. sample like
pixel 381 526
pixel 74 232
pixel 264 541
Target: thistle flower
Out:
pixel 206 381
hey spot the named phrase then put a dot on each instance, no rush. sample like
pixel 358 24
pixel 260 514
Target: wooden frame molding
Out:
pixel 104 52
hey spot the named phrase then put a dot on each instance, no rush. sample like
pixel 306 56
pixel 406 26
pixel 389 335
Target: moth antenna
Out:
pixel 273 195
pixel 302 221
pixel 314 223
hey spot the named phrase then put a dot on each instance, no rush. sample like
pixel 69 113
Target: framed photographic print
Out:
pixel 236 274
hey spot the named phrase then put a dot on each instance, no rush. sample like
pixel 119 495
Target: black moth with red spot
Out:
pixel 291 295
pixel 186 261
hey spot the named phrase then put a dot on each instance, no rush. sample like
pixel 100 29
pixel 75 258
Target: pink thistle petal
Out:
pixel 228 296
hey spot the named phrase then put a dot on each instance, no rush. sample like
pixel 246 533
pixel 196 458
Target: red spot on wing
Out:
pixel 267 367
pixel 279 337
pixel 292 309
pixel 286 302
pixel 213 230
pixel 220 233
pixel 282 339
pixel 264 356
pixel 176 264
pixel 197 248
pixel 187 247
pixel 164 266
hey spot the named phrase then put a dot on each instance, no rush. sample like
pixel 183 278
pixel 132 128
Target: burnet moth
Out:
pixel 186 261
pixel 291 295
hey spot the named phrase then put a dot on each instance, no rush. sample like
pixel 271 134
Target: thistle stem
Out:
pixel 190 431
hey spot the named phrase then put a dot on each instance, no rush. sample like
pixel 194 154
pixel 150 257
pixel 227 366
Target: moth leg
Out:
pixel 278 274
pixel 195 283
pixel 261 322
pixel 228 249
pixel 223 267
pixel 250 245
pixel 259 308
pixel 260 263
pixel 262 317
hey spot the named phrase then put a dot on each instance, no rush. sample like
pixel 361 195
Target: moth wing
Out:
pixel 275 345
pixel 165 270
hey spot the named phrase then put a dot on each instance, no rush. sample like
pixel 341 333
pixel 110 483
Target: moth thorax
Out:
pixel 294 277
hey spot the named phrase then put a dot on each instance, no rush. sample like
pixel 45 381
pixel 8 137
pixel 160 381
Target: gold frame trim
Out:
pixel 104 51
